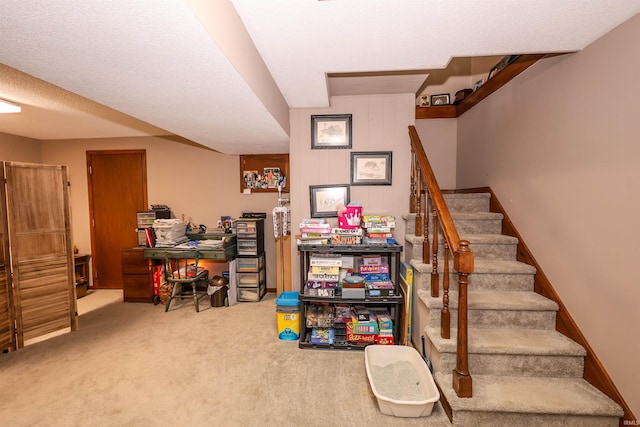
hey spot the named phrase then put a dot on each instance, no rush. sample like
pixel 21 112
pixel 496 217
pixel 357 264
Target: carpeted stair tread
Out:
pixel 478 195
pixel 489 239
pixel 477 238
pixel 493 300
pixel 481 266
pixel 475 215
pixel 530 395
pixel 509 341
pixel 467 202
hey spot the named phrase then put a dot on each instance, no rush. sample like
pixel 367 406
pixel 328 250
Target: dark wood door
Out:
pixel 117 190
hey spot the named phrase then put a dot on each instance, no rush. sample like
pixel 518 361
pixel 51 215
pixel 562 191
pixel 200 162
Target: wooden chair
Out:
pixel 181 268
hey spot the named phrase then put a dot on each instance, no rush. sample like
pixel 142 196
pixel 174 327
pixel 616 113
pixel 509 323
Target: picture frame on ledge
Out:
pixel 371 167
pixel 325 199
pixel 441 99
pixel 330 131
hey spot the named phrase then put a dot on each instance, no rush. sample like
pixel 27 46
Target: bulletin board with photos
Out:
pixel 261 173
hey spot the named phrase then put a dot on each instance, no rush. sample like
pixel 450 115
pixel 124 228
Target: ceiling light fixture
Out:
pixel 8 107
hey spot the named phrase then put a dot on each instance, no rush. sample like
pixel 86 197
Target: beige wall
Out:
pixel 559 146
pixel 439 139
pixel 19 149
pixel 380 123
pixel 199 183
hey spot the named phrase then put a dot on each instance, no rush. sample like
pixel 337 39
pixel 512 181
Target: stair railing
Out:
pixel 423 181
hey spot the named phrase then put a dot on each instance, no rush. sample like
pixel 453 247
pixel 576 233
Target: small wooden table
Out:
pixel 81 266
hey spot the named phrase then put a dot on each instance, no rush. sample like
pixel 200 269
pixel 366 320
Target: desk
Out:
pixel 225 254
pixel 156 256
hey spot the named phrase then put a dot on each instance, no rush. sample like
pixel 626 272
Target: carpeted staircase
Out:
pixel 524 372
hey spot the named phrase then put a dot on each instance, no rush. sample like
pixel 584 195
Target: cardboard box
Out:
pixel 384 322
pixel 357 293
pixel 359 338
pixel 371 260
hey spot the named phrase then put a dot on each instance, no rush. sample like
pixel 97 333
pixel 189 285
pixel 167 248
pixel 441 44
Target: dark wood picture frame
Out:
pixel 330 131
pixel 441 99
pixel 325 199
pixel 259 172
pixel 371 167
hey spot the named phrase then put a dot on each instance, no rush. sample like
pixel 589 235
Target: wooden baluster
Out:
pixel 412 192
pixel 419 206
pixel 435 286
pixel 462 382
pixel 425 222
pixel 445 314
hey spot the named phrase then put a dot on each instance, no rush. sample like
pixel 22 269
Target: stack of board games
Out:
pixel 320 319
pixel 314 231
pixel 343 236
pixel 368 326
pixel 378 229
pixel 323 275
pixel 349 324
pixel 376 275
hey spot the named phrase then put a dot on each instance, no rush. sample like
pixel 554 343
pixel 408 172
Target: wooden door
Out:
pixel 117 190
pixel 39 219
pixel 7 330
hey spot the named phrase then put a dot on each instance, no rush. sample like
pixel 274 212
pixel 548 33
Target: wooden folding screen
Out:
pixel 41 259
pixel 7 323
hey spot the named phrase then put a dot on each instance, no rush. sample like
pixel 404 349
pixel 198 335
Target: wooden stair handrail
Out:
pixel 462 256
pixel 449 229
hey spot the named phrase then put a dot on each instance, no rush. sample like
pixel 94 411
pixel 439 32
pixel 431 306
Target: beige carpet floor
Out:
pixel 132 364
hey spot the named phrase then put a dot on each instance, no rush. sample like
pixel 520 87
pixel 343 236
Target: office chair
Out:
pixel 181 268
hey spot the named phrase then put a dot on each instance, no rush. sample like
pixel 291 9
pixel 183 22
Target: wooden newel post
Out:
pixel 462 382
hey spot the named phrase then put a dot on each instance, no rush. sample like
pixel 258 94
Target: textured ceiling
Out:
pixel 223 73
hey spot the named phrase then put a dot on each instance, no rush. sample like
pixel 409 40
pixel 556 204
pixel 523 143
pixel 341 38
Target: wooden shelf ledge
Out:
pixel 496 82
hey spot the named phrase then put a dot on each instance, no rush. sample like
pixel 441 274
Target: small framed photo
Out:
pixel 477 85
pixel 442 99
pixel 325 199
pixel 493 72
pixel 332 131
pixel 371 168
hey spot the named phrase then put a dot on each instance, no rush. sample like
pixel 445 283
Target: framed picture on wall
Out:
pixel 330 131
pixel 325 199
pixel 371 168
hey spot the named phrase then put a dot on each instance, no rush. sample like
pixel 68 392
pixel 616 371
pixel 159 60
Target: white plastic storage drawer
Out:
pixel 247 247
pixel 249 264
pixel 246 230
pixel 252 294
pixel 250 279
pixel 145 219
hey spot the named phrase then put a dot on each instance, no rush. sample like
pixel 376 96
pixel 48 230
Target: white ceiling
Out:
pixel 223 73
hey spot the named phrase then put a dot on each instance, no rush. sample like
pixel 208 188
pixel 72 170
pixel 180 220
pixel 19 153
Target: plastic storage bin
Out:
pixel 288 312
pixel 383 356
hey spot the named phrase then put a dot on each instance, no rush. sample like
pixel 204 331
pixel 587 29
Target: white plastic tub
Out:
pixel 381 356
